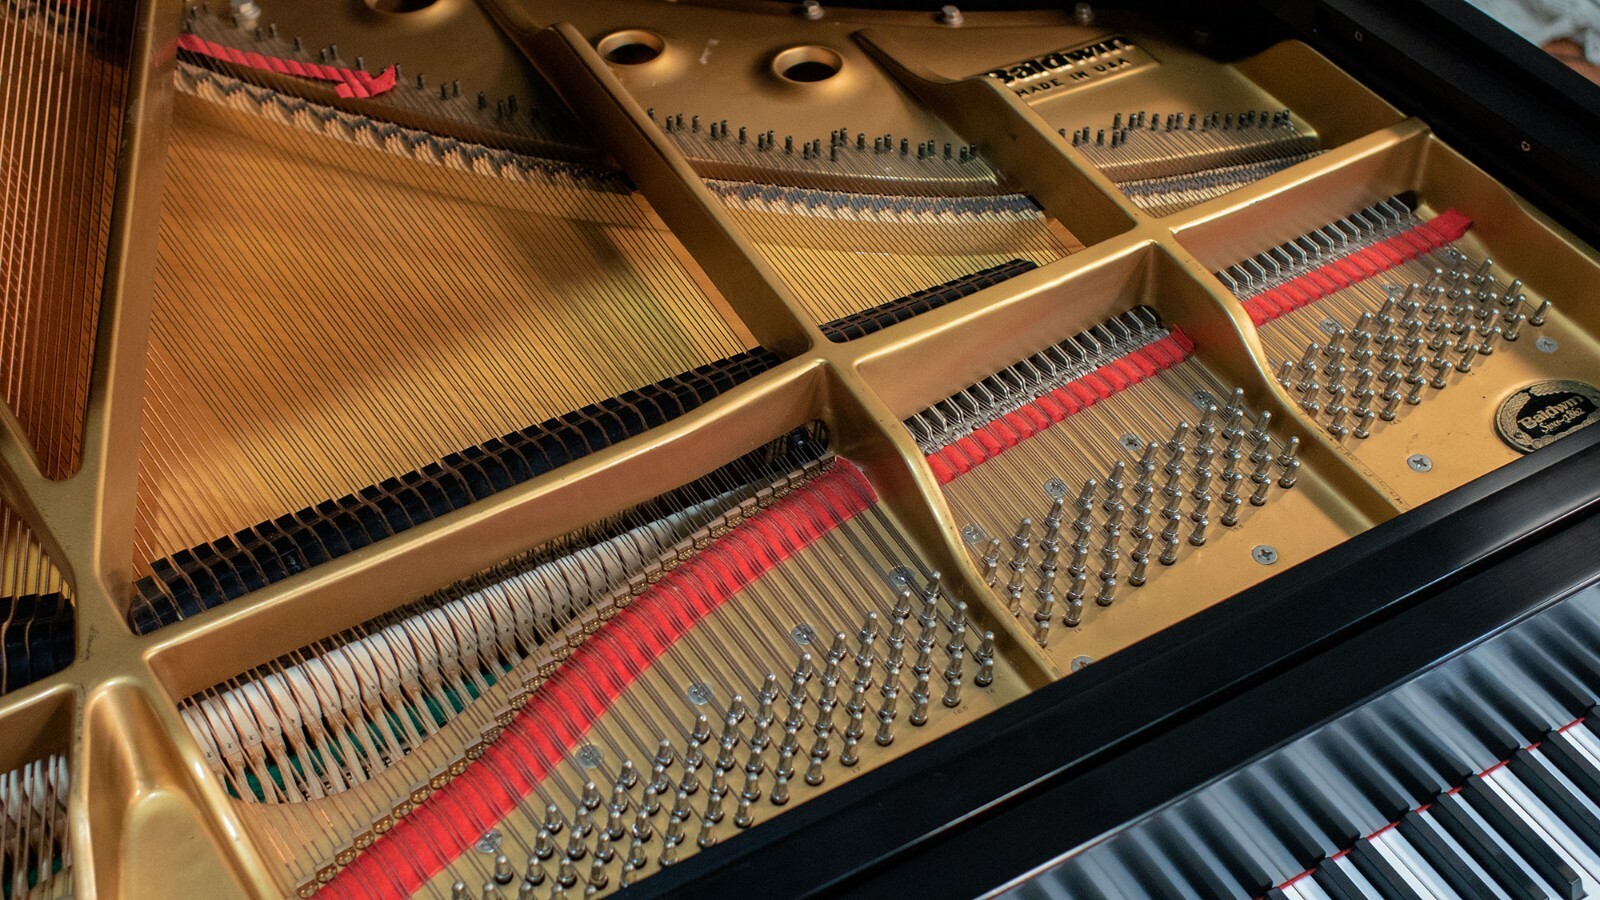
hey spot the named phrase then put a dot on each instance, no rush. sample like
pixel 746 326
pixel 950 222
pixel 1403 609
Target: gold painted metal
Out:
pixel 147 816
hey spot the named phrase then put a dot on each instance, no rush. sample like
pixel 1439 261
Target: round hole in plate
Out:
pixel 631 47
pixel 400 6
pixel 807 65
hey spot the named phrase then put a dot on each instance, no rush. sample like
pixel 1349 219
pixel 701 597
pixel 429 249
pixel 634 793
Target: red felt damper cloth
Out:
pixel 1011 429
pixel 420 845
pixel 1365 263
pixel 350 82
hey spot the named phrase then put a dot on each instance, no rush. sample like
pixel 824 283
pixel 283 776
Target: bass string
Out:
pixel 58 126
pixel 734 489
pixel 700 651
pixel 480 716
pixel 310 452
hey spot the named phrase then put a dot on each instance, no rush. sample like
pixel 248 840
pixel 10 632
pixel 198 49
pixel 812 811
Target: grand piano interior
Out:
pixel 529 448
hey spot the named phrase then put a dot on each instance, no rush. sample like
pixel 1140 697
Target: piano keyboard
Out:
pixel 36 608
pixel 1473 780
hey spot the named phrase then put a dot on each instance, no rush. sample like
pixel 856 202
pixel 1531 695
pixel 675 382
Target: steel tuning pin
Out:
pixel 1289 462
pixel 991 563
pixel 1513 325
pixel 984 657
pixel 1113 486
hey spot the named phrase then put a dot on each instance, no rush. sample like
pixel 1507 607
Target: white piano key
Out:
pixel 1454 847
pixel 1310 890
pixel 1558 835
pixel 1359 880
pixel 1585 740
pixel 1416 870
pixel 1506 848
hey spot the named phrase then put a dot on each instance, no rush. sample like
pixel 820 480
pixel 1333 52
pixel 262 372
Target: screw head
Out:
pixel 698 693
pixel 490 842
pixel 1203 399
pixel 589 756
pixel 1419 462
pixel 1081 662
pixel 1131 442
pixel 1546 344
pixel 901 576
pixel 1056 488
pixel 972 534
pixel 803 634
pixel 1265 554
pixel 1328 325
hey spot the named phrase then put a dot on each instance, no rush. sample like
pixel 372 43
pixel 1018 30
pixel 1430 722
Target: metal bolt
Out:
pixel 1329 325
pixel 1419 462
pixel 589 756
pixel 1546 344
pixel 1079 662
pixel 972 534
pixel 812 10
pixel 1056 488
pixel 901 576
pixel 490 842
pixel 1131 443
pixel 950 15
pixel 698 693
pixel 802 634
pixel 1265 554
pixel 1083 14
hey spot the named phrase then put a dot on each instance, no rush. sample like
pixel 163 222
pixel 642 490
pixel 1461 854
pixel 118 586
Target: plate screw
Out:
pixel 589 756
pixel 1056 488
pixel 1131 442
pixel 1546 344
pixel 950 15
pixel 1080 662
pixel 1266 554
pixel 1329 325
pixel 490 842
pixel 802 634
pixel 900 576
pixel 1419 462
pixel 972 534
pixel 699 693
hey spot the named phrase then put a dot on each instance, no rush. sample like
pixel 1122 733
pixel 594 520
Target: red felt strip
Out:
pixel 561 711
pixel 950 463
pixel 1367 262
pixel 351 82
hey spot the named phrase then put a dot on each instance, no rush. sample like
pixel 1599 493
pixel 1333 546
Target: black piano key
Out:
pixel 1382 873
pixel 1573 763
pixel 1543 783
pixel 1276 894
pixel 1524 838
pixel 1336 883
pixel 1450 811
pixel 1432 846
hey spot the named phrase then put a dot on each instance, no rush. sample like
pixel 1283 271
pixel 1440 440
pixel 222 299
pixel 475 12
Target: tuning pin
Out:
pixel 1289 461
pixel 460 891
pixel 544 845
pixel 984 657
pixel 1114 485
pixel 1175 444
pixel 1044 611
pixel 1540 314
pixel 1469 349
